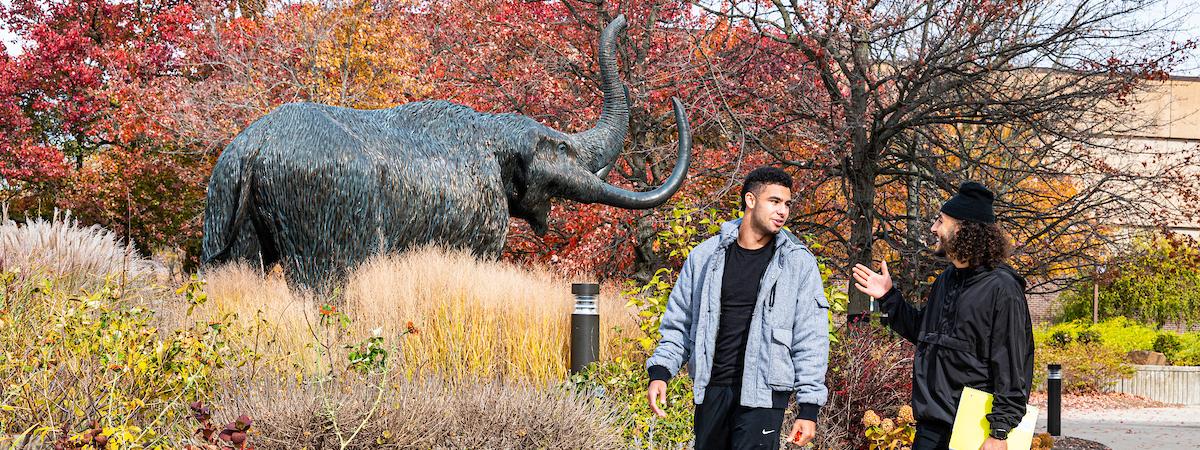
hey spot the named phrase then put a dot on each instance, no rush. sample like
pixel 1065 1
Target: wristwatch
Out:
pixel 999 434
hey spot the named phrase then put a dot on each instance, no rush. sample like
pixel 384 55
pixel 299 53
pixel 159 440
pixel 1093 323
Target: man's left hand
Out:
pixel 992 443
pixel 803 432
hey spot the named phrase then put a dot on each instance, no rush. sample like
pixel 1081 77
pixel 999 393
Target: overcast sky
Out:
pixel 1183 15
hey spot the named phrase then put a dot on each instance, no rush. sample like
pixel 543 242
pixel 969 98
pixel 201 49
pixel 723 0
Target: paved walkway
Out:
pixel 1132 429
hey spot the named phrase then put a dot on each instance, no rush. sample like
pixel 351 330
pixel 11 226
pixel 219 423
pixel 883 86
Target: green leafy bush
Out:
pixel 1090 359
pixel 1168 344
pixel 1189 351
pixel 1087 367
pixel 69 360
pixel 1088 336
pixel 623 383
pixel 1061 338
pixel 1124 334
pixel 1156 283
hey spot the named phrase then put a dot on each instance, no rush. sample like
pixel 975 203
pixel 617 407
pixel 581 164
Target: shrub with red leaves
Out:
pixel 870 368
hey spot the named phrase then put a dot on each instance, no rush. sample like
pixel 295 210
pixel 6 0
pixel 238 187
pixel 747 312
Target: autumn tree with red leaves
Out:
pixel 65 124
pixel 1028 97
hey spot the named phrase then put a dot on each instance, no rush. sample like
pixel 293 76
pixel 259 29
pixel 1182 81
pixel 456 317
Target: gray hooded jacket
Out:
pixel 788 346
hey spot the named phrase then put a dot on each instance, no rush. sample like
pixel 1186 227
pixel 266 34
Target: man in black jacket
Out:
pixel 974 329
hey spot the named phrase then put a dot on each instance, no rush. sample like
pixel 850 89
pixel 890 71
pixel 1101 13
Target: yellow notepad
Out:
pixel 971 425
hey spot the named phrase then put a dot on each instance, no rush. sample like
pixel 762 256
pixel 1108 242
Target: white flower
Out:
pixel 377 332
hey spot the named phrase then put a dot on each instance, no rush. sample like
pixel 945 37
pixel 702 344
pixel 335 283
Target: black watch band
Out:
pixel 999 434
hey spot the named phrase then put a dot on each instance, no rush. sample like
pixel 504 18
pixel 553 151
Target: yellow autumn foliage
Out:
pixel 358 56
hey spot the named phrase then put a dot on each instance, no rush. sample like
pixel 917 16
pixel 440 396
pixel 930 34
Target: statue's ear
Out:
pixel 515 164
pixel 521 169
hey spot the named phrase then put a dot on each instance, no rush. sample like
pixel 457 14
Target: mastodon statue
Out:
pixel 320 189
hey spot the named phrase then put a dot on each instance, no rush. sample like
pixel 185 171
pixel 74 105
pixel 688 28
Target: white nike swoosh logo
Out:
pixel 768 432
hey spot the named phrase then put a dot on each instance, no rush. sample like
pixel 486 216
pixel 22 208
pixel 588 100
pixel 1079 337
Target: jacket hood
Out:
pixel 1000 270
pixel 1005 268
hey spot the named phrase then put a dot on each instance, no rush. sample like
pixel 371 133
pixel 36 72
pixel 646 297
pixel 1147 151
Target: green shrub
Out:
pixel 1088 336
pixel 623 383
pixel 1155 283
pixel 1061 338
pixel 1058 335
pixel 1189 351
pixel 1168 344
pixel 1125 335
pixel 71 359
pixel 1087 367
pixel 1120 336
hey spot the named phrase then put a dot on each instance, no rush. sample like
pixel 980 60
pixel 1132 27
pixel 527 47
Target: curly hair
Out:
pixel 979 244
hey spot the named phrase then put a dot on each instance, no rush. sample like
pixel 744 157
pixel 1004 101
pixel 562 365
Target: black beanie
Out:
pixel 973 202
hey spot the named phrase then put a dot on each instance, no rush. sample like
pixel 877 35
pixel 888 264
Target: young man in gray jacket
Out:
pixel 749 316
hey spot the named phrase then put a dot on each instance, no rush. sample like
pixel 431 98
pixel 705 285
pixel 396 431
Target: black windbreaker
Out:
pixel 974 331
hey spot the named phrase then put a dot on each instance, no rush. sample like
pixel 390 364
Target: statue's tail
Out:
pixel 221 231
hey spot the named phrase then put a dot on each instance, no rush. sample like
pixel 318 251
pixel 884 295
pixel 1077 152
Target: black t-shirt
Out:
pixel 739 292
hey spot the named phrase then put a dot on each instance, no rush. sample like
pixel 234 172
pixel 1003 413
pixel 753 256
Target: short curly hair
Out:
pixel 979 244
pixel 762 176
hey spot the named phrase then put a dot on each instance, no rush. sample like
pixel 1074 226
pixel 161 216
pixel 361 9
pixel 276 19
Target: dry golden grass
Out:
pixel 475 319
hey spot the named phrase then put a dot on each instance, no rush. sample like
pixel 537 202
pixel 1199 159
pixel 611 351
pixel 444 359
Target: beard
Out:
pixel 940 245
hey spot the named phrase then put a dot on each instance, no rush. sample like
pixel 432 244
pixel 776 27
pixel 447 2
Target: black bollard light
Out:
pixel 1054 400
pixel 585 326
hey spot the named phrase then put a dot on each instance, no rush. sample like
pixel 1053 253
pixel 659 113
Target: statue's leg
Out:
pixel 325 222
pixel 265 249
pixel 246 248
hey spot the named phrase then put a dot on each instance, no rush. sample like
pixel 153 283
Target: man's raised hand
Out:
pixel 871 283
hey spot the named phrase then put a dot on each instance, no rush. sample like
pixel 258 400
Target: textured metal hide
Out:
pixel 320 189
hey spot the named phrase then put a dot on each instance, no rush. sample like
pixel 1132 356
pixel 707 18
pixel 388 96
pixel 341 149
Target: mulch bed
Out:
pixel 1071 443
pixel 1112 400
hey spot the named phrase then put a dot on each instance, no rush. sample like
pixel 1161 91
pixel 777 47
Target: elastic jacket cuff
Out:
pixel 659 373
pixel 807 411
pixel 893 292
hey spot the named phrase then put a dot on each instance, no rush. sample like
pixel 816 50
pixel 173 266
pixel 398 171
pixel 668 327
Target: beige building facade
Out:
pixel 1166 132
pixel 1171 111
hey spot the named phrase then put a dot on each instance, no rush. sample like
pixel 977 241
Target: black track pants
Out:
pixel 932 436
pixel 721 423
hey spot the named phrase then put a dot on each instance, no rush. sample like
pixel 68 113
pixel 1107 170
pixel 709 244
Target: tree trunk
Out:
pixel 646 259
pixel 862 225
pixel 862 169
